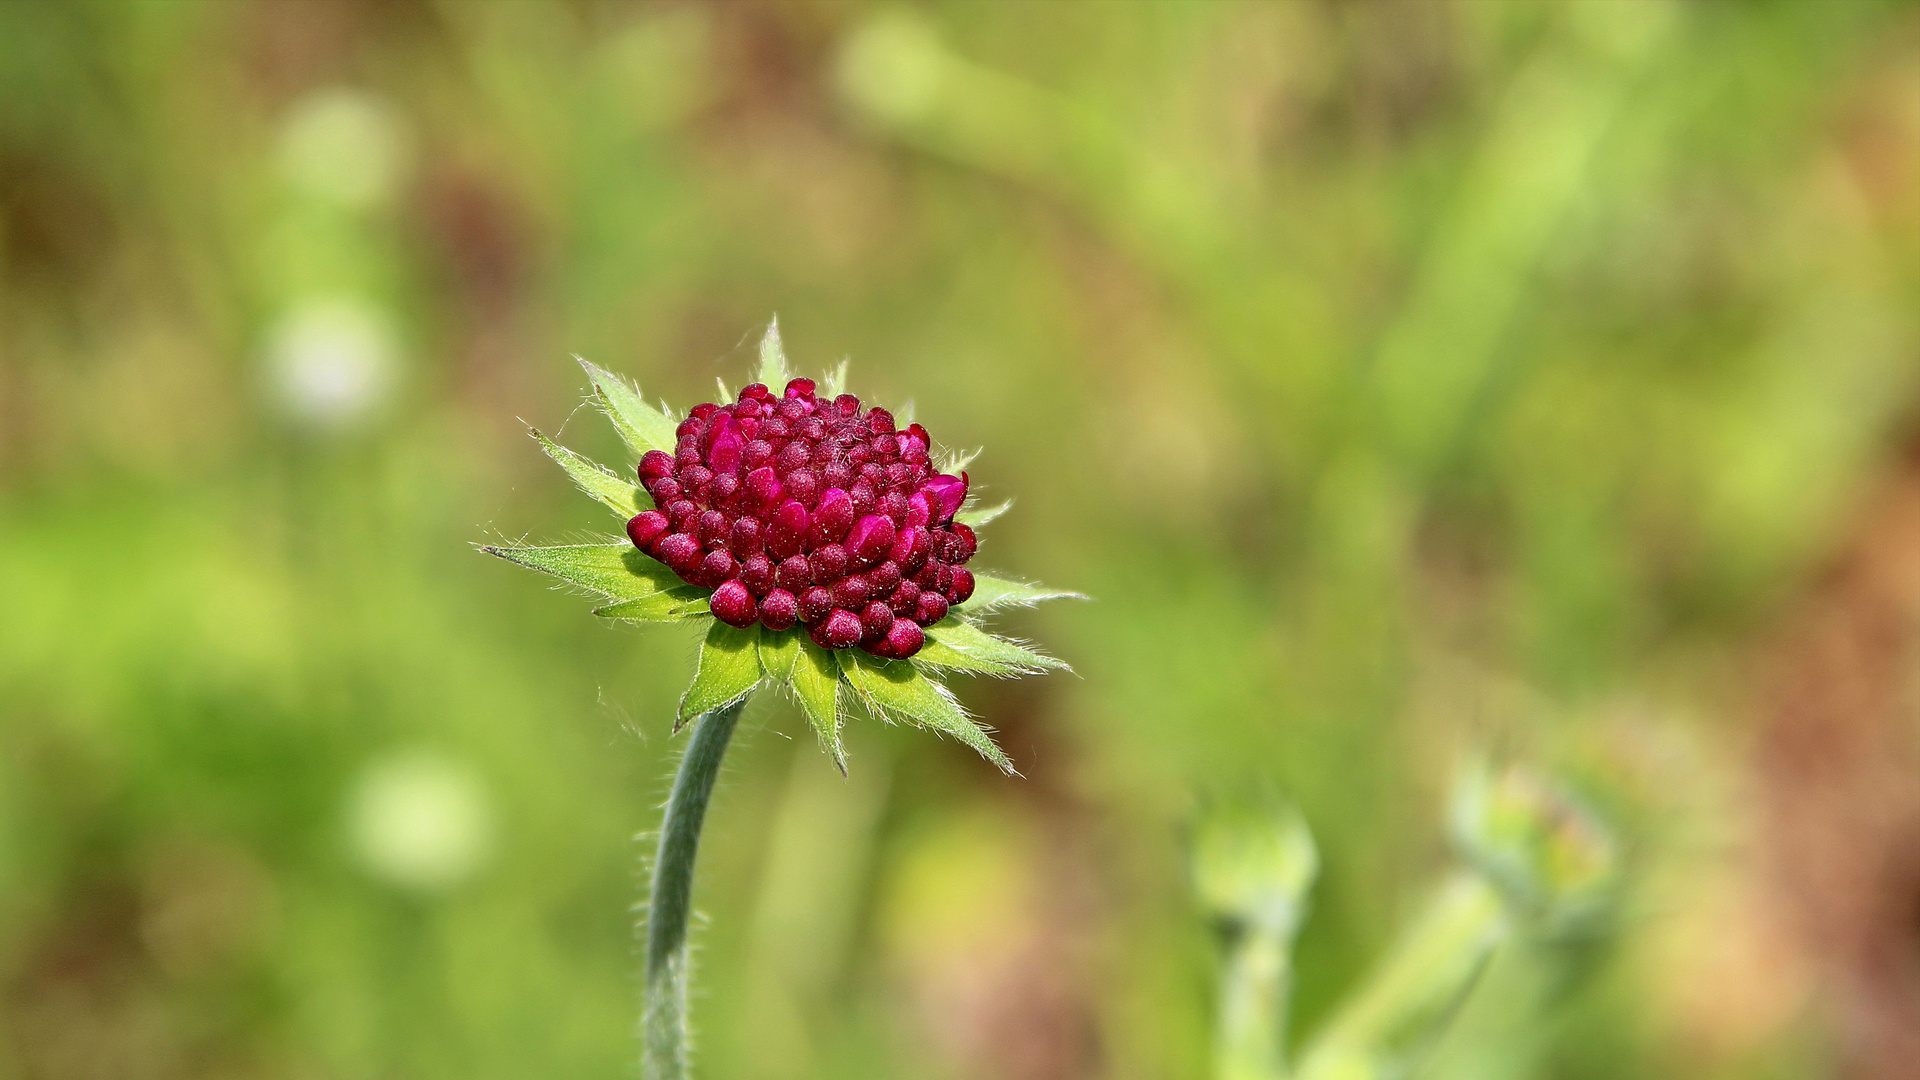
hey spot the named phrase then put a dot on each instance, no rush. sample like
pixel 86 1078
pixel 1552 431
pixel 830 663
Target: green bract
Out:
pixel 634 587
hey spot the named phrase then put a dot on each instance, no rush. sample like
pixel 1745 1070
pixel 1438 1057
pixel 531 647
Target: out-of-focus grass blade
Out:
pixel 729 670
pixel 898 690
pixel 641 426
pixel 623 497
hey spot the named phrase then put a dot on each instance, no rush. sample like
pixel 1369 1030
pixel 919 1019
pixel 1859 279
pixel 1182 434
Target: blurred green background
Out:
pixel 1402 380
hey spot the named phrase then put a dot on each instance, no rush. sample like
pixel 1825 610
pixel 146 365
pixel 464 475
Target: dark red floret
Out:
pixel 779 610
pixel 839 630
pixel 797 509
pixel 733 605
pixel 645 528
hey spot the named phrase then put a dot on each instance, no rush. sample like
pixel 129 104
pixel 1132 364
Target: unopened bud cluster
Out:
pixel 796 509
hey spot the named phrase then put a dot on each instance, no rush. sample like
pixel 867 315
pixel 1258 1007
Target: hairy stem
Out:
pixel 664 1031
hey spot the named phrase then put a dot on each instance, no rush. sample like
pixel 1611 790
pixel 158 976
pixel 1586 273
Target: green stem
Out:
pixel 1253 1005
pixel 1407 1002
pixel 663 1030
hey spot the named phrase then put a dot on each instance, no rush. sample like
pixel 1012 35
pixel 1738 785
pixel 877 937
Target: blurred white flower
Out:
pixel 331 360
pixel 420 820
pixel 345 146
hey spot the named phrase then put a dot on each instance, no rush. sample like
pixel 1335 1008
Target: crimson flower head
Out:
pixel 803 509
pixel 822 541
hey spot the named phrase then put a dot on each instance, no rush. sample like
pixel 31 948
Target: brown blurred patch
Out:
pixel 1842 780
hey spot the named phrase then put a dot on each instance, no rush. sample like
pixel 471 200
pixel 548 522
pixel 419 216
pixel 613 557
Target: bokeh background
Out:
pixel 1404 381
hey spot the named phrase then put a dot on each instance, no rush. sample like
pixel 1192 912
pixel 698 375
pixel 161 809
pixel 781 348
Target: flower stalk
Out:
pixel 664 1030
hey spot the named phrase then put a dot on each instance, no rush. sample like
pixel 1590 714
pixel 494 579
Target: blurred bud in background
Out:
pixel 1253 865
pixel 421 821
pixel 1536 843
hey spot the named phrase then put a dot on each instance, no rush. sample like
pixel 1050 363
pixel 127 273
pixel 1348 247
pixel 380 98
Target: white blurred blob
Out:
pixel 331 360
pixel 420 820
pixel 345 146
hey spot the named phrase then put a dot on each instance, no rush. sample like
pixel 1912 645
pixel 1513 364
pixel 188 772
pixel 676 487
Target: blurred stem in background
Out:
pixel 1252 869
pixel 1536 862
pixel 664 1033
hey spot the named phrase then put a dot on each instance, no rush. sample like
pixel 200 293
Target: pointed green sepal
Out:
pixel 729 670
pixel 773 360
pixel 778 650
pixel 956 643
pixel 898 690
pixel 641 426
pixel 991 592
pixel 952 461
pixel 617 571
pixel 816 682
pixel 976 517
pixel 673 605
pixel 623 497
pixel 835 383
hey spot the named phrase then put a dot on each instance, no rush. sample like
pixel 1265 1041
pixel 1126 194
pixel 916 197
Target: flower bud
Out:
pixel 815 604
pixel 930 609
pixel 763 487
pixel 679 551
pixel 904 638
pixel 834 516
pixel 778 609
pixel 905 599
pixel 945 494
pixel 884 578
pixel 656 465
pixel 645 528
pixel 870 538
pixel 732 603
pixel 717 567
pixel 875 620
pixel 962 586
pixel 852 592
pixel 839 630
pixel 829 564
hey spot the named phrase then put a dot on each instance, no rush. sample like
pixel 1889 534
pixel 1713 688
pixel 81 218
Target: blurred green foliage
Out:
pixel 1400 378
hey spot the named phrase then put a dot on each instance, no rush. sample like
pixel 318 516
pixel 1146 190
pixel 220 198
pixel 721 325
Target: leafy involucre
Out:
pixel 673 605
pixel 835 383
pixel 773 360
pixel 899 690
pixel 816 682
pixel 975 517
pixel 623 497
pixel 991 592
pixel 778 650
pixel 641 426
pixel 617 571
pixel 729 669
pixel 956 643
